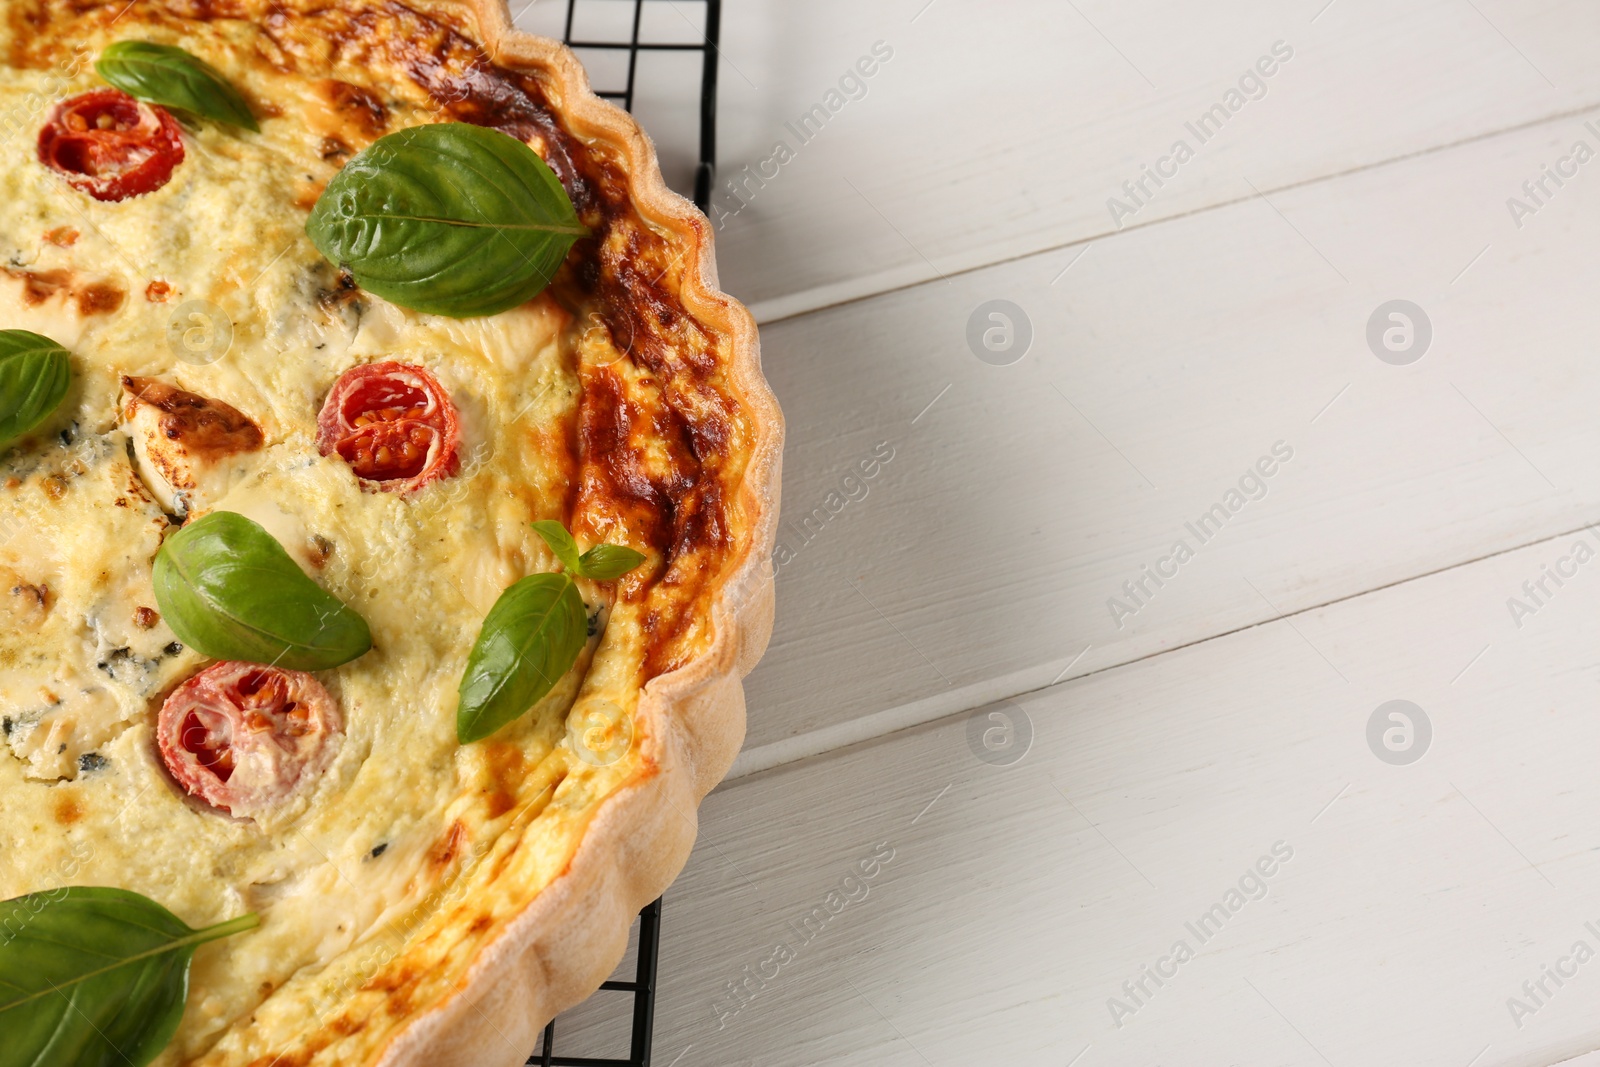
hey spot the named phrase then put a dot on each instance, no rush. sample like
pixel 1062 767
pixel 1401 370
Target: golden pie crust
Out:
pixel 676 441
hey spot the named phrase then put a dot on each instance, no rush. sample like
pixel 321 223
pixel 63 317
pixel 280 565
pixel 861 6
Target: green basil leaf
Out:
pixel 450 219
pixel 561 543
pixel 94 977
pixel 230 591
pixel 34 375
pixel 602 563
pixel 171 77
pixel 605 563
pixel 530 639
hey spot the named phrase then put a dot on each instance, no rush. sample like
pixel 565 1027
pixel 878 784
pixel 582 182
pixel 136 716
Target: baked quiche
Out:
pixel 387 496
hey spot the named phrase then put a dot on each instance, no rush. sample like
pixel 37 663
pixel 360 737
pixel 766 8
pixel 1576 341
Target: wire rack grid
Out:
pixel 705 171
pixel 643 986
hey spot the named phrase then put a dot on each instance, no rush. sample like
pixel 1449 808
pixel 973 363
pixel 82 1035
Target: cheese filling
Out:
pixel 210 286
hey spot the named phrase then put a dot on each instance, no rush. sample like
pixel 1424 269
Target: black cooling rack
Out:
pixel 643 987
pixel 706 46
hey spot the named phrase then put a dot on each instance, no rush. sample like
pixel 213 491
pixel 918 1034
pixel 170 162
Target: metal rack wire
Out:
pixel 643 987
pixel 705 172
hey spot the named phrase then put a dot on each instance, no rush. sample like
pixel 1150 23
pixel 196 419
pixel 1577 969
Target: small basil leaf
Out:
pixel 560 541
pixel 34 375
pixel 94 977
pixel 449 219
pixel 230 591
pixel 171 77
pixel 604 563
pixel 530 639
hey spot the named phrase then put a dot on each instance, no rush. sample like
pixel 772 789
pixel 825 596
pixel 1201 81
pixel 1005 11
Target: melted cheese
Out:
pixel 340 874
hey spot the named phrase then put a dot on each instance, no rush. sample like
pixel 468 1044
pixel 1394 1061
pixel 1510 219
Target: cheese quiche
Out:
pixel 387 496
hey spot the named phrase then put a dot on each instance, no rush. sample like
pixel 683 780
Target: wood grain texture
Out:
pixel 993 135
pixel 1417 900
pixel 1172 751
pixel 1165 364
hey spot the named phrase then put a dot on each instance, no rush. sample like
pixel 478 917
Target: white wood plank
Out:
pixel 1165 363
pixel 977 565
pixel 994 132
pixel 1417 901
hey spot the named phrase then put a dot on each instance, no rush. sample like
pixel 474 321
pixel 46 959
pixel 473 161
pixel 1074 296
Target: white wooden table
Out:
pixel 1185 758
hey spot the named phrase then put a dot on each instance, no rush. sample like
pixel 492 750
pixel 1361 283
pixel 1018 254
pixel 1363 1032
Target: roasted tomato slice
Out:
pixel 393 423
pixel 243 737
pixel 111 146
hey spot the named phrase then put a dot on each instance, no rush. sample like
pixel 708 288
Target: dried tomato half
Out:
pixel 393 423
pixel 111 146
pixel 243 737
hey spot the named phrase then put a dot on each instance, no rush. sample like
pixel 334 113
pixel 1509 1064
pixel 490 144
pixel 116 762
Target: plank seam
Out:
pixel 961 700
pixel 853 291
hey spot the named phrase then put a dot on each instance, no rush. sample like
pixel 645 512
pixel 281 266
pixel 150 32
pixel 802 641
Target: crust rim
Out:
pixel 575 932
